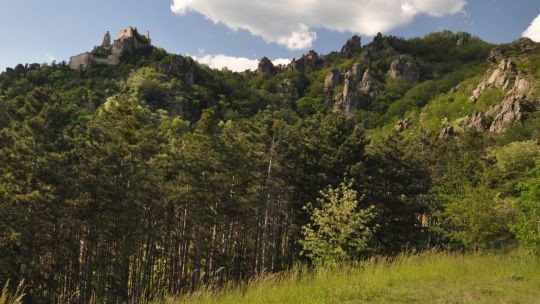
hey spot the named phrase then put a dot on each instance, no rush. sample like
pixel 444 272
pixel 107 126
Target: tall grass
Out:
pixel 425 278
pixel 15 297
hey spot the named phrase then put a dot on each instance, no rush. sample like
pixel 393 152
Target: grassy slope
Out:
pixel 426 278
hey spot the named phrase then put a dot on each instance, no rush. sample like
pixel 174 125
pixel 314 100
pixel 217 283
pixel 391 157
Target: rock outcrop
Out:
pixel 515 104
pixel 352 46
pixel 476 120
pixel 307 62
pixel 525 44
pixel 178 66
pixel 105 54
pixel 447 131
pixel 403 67
pixel 332 79
pixel 367 84
pixel 402 125
pixel 358 85
pixel 495 55
pixel 511 110
pixel 500 78
pixel 106 40
pixel 266 67
pixel 287 89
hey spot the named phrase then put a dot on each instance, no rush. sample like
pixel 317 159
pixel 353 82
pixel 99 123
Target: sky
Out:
pixel 236 33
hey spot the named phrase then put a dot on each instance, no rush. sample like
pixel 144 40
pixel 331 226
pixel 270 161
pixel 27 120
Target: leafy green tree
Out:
pixel 527 227
pixel 478 219
pixel 337 231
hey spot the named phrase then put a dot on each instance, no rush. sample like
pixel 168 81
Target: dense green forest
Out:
pixel 161 175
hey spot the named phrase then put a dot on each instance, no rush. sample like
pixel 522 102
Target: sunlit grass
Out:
pixel 425 278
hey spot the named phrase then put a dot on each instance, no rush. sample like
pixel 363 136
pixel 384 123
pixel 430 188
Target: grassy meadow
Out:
pixel 424 278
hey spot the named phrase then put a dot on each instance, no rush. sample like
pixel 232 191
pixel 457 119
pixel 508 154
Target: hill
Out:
pixel 133 171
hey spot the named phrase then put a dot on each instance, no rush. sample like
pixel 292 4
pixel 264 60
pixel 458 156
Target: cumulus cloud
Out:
pixel 292 23
pixel 235 64
pixel 533 31
pixel 50 58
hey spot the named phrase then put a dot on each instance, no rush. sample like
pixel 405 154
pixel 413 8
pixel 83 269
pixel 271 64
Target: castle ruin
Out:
pixel 109 54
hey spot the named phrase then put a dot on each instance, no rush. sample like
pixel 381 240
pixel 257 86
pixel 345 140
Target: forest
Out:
pixel 162 175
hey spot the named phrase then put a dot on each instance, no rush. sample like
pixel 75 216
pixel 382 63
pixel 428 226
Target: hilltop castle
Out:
pixel 107 54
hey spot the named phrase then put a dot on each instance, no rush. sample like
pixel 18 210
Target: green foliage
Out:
pixel 475 278
pixel 337 231
pixel 517 156
pixel 479 220
pixel 527 226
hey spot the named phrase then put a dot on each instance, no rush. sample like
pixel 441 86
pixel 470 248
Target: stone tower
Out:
pixel 106 40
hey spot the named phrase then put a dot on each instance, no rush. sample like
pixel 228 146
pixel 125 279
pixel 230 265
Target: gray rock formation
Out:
pixel 367 84
pixel 463 39
pixel 512 110
pixel 352 46
pixel 106 54
pixel 287 89
pixel 307 62
pixel 525 44
pixel 403 67
pixel 332 79
pixel 475 121
pixel 178 66
pixel 500 78
pixel 106 40
pixel 495 55
pixel 447 131
pixel 515 103
pixel 266 67
pixel 350 97
pixel 402 125
pixel 358 85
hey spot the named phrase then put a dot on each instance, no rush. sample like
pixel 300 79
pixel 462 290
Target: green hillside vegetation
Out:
pixel 426 278
pixel 159 175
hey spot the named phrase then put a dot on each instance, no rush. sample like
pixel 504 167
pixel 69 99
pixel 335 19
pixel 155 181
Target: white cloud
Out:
pixel 50 58
pixel 235 64
pixel 533 31
pixel 292 23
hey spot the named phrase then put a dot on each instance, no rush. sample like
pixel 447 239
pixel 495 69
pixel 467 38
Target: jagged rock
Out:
pixel 500 78
pixel 106 40
pixel 178 66
pixel 355 73
pixel 287 89
pixel 403 67
pixel 514 105
pixel 512 109
pixel 455 89
pixel 476 121
pixel 403 125
pixel 523 85
pixel 266 67
pixel 463 39
pixel 331 80
pixel 350 97
pixel 447 131
pixel 353 45
pixel 495 55
pixel 307 62
pixel 366 85
pixel 525 44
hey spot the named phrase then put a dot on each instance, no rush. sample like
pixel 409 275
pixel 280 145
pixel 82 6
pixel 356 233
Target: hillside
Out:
pixel 132 172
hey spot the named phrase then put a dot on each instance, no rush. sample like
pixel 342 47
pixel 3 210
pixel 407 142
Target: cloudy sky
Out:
pixel 235 33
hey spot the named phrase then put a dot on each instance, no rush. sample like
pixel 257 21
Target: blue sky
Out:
pixel 39 30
